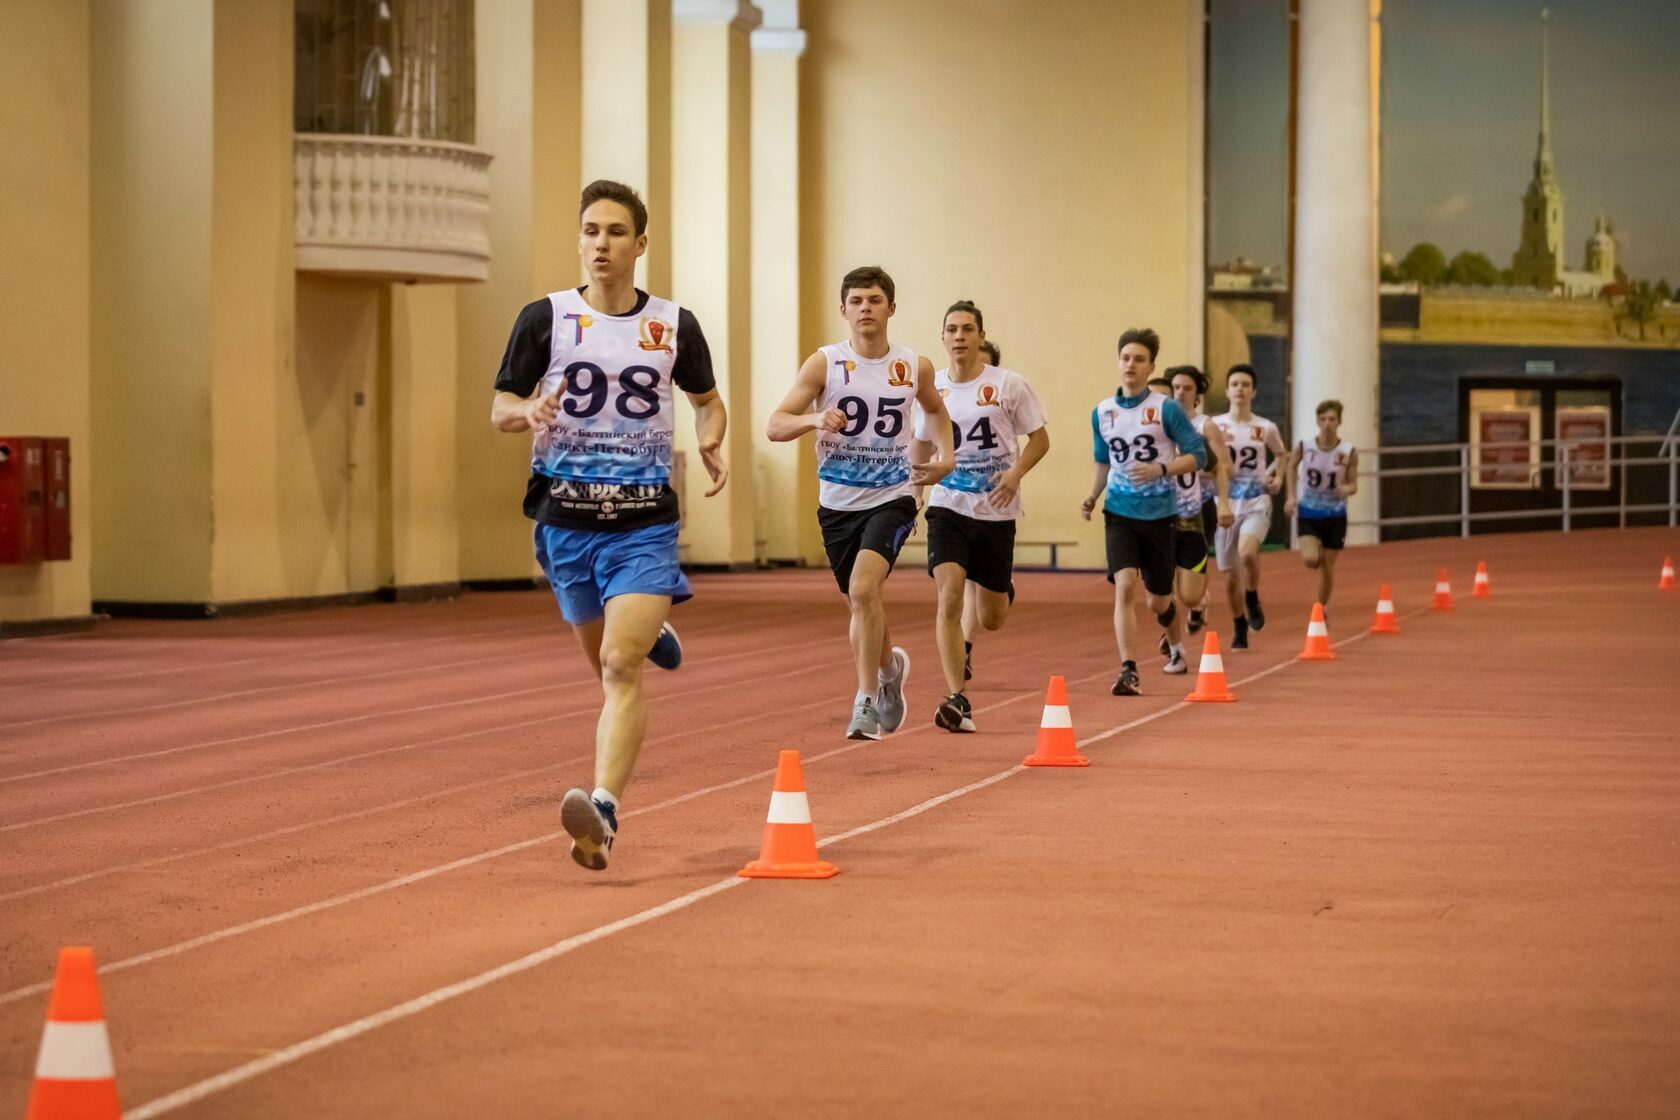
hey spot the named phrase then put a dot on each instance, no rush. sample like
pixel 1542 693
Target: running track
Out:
pixel 317 856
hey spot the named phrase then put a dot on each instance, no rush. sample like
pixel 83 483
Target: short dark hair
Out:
pixel 990 349
pixel 869 276
pixel 963 305
pixel 1194 374
pixel 1145 338
pixel 1331 405
pixel 1242 367
pixel 610 191
pixel 1162 381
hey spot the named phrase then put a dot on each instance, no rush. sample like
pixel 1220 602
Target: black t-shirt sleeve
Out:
pixel 693 370
pixel 528 350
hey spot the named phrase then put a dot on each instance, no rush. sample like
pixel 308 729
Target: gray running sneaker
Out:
pixel 890 699
pixel 866 722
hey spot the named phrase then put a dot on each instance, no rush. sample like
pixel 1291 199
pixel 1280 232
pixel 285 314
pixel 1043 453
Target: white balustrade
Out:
pixel 391 207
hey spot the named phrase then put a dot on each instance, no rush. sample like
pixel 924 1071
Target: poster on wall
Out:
pixel 1505 448
pixel 1585 430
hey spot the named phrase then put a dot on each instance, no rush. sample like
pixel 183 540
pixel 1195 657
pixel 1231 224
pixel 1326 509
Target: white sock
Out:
pixel 1177 650
pixel 602 797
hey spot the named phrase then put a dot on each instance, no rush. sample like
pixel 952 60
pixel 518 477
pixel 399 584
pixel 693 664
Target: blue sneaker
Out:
pixel 592 827
pixel 667 649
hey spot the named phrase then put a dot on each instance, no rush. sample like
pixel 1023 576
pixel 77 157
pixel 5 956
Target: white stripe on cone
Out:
pixel 1443 588
pixel 1212 663
pixel 1317 630
pixel 1057 716
pixel 75 1052
pixel 1384 607
pixel 1481 579
pixel 789 808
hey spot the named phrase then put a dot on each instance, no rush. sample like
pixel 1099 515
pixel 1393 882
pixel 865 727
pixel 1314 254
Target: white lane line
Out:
pixel 318 682
pixel 174 857
pixel 300 1050
pixel 343 759
pixel 386 713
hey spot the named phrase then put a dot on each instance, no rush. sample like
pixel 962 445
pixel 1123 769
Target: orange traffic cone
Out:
pixel 1056 743
pixel 74 1077
pixel 1665 582
pixel 1443 592
pixel 1210 675
pixel 789 850
pixel 1317 647
pixel 1481 589
pixel 1385 622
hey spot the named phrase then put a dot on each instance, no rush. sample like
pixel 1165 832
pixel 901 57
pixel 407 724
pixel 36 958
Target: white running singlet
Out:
pixel 989 415
pixel 866 463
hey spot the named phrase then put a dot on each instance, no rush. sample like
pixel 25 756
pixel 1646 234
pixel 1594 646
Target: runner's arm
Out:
pixel 793 417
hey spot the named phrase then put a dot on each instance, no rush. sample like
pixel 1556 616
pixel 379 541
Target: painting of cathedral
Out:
pixel 1500 124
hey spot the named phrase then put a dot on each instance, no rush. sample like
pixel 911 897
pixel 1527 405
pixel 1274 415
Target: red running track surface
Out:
pixel 318 857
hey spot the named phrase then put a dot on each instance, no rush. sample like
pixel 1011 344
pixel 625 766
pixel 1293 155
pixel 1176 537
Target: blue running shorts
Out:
pixel 587 567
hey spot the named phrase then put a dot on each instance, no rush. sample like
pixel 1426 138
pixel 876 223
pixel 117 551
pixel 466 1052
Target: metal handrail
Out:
pixel 1558 463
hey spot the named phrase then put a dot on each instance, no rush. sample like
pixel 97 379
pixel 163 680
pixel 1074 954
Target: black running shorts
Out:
pixel 985 550
pixel 1330 531
pixel 1144 545
pixel 1190 550
pixel 881 529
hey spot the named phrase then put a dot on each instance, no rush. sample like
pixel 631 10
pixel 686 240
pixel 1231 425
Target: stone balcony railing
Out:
pixel 391 207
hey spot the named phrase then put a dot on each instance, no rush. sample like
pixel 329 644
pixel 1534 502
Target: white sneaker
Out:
pixel 889 701
pixel 1175 665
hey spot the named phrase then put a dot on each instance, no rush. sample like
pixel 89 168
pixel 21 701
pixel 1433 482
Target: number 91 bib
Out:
pixel 867 462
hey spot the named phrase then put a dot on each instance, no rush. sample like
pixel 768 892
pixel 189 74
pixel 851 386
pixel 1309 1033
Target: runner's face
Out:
pixel 962 336
pixel 1239 387
pixel 1184 392
pixel 1329 425
pixel 607 242
pixel 867 310
pixel 1136 368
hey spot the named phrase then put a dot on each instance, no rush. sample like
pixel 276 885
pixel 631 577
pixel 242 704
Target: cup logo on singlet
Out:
pixel 987 395
pixel 655 334
pixel 900 375
pixel 1151 416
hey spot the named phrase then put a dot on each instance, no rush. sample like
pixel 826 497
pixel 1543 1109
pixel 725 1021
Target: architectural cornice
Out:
pixel 740 15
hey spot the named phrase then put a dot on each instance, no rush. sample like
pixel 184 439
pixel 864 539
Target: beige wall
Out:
pixel 1048 181
pixel 150 177
pixel 421 528
pixel 273 528
pixel 44 283
pixel 528 116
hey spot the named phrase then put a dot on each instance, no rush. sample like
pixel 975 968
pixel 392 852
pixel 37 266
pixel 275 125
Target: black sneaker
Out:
pixel 1256 616
pixel 1241 640
pixel 1126 684
pixel 1195 624
pixel 592 827
pixel 954 713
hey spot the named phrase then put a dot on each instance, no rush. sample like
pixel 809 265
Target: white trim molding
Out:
pixel 391 207
pixel 740 15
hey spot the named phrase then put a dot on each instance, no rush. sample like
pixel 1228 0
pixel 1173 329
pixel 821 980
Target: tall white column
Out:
pixel 1335 281
pixel 778 467
pixel 711 251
